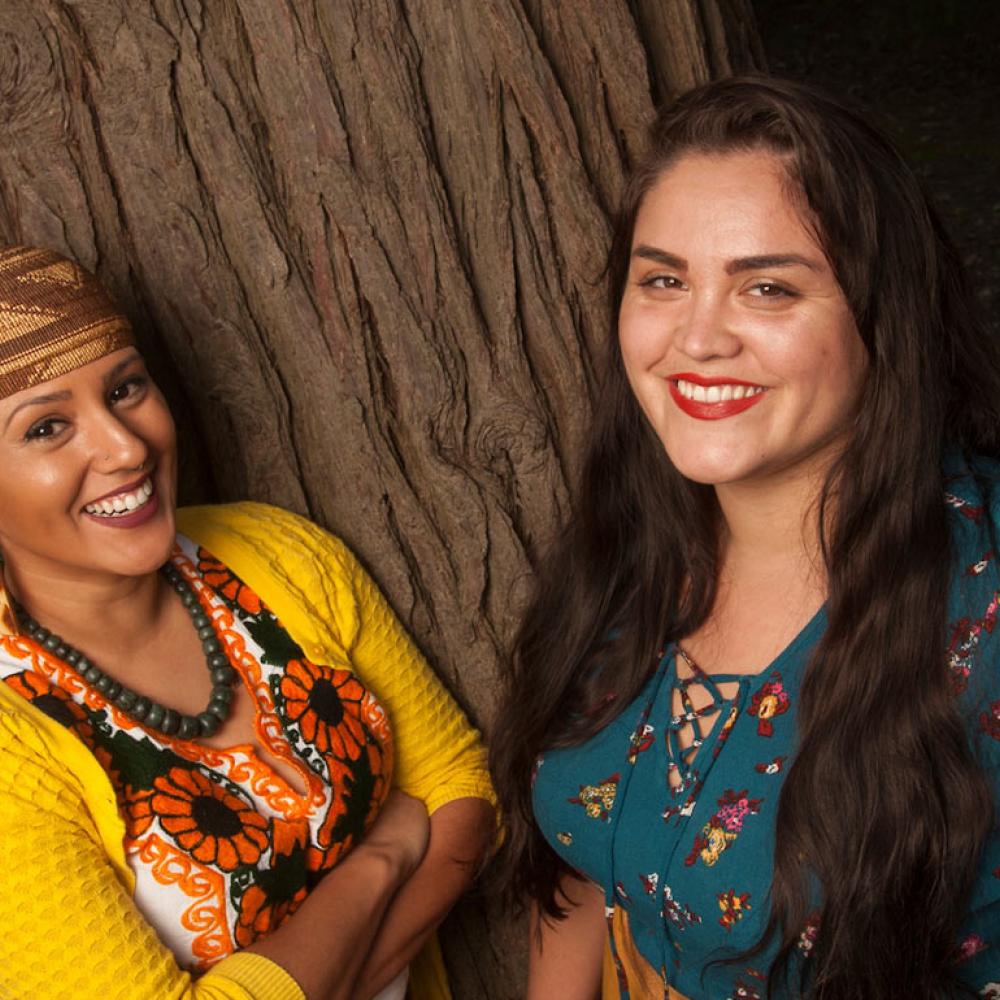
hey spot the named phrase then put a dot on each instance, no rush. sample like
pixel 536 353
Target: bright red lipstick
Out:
pixel 711 411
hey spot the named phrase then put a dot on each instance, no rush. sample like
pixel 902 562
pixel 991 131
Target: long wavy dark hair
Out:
pixel 891 835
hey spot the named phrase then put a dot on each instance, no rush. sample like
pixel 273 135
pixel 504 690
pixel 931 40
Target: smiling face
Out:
pixel 89 473
pixel 736 338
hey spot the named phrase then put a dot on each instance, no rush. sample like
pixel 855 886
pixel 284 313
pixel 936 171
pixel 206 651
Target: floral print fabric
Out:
pixel 222 847
pixel 680 836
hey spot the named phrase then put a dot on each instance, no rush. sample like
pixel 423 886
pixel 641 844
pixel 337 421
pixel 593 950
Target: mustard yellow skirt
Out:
pixel 645 983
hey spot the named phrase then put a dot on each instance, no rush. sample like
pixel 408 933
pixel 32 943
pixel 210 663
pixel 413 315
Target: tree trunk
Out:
pixel 363 244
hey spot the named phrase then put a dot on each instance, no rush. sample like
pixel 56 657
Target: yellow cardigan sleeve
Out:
pixel 331 607
pixel 69 926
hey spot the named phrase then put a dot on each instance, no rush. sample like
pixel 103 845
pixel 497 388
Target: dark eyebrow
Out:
pixel 760 262
pixel 121 366
pixel 767 261
pixel 55 397
pixel 660 256
pixel 61 397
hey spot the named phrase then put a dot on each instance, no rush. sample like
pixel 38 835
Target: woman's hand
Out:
pixel 461 831
pixel 323 945
pixel 401 831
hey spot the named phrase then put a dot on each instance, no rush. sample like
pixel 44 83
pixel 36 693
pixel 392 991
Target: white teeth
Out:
pixel 122 504
pixel 717 393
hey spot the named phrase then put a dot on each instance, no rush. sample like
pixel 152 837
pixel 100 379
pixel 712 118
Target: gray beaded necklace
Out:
pixel 142 709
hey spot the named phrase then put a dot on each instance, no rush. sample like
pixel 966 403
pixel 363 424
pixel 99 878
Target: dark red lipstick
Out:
pixel 143 514
pixel 134 518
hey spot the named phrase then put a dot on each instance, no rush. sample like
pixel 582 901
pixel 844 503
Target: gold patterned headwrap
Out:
pixel 54 317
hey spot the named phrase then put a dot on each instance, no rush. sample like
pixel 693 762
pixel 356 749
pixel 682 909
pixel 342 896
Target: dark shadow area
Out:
pixel 928 71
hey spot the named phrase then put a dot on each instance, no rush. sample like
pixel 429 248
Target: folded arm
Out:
pixel 440 760
pixel 71 927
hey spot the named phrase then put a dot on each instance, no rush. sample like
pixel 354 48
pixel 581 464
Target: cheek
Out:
pixel 157 426
pixel 167 437
pixel 42 480
pixel 642 337
pixel 824 360
pixel 46 489
pixel 842 368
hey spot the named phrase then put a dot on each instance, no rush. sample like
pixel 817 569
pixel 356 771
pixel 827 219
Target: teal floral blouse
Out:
pixel 686 858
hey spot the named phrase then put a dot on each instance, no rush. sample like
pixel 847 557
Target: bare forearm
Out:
pixel 323 945
pixel 461 832
pixel 565 956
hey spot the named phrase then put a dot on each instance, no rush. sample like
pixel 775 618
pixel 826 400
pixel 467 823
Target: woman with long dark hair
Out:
pixel 751 726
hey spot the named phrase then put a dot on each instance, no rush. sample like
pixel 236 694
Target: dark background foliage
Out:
pixel 928 71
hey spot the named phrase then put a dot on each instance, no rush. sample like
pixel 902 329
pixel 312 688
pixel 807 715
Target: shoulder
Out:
pixel 278 536
pixel 972 497
pixel 269 548
pixel 44 766
pixel 22 727
pixel 309 578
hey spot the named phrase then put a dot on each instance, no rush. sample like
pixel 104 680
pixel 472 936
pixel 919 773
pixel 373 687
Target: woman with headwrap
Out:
pixel 206 715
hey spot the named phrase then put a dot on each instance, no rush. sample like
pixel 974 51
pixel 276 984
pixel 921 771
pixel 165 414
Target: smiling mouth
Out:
pixel 122 504
pixel 713 398
pixel 716 393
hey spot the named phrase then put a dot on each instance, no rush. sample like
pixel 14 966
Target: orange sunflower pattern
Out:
pixel 53 701
pixel 56 704
pixel 331 722
pixel 221 579
pixel 327 707
pixel 214 825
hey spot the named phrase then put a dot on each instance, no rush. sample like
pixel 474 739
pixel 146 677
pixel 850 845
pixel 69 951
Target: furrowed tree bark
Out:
pixel 363 244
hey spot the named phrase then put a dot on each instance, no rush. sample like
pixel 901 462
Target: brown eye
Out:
pixel 664 281
pixel 130 387
pixel 42 429
pixel 770 290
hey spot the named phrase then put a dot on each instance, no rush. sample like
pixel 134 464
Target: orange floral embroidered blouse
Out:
pixel 63 835
pixel 222 847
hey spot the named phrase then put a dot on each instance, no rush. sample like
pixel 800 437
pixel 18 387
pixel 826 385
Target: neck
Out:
pixel 88 609
pixel 773 524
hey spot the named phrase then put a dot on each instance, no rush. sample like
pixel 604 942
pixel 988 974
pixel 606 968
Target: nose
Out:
pixel 704 329
pixel 114 445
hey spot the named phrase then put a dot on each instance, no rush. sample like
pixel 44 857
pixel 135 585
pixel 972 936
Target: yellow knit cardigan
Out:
pixel 68 925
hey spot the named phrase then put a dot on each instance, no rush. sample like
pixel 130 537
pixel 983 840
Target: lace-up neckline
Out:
pixel 690 725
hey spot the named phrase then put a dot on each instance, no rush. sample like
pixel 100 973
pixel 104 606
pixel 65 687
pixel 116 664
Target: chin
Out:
pixel 137 563
pixel 710 466
pixel 143 551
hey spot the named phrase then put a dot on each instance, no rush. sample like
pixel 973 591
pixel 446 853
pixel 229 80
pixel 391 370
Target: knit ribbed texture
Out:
pixel 256 975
